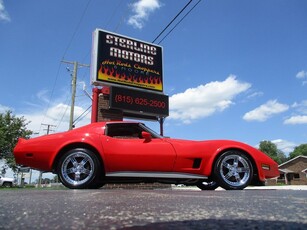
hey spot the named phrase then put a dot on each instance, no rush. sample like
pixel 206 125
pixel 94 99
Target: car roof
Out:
pixel 104 123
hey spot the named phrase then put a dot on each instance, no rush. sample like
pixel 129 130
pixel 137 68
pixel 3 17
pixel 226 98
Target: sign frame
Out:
pixel 122 61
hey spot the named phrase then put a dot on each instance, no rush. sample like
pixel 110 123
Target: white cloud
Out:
pixel 4 16
pixel 265 111
pixel 142 9
pixel 4 108
pixel 284 145
pixel 301 114
pixel 58 112
pixel 58 116
pixel 43 96
pixel 205 100
pixel 255 94
pixel 295 120
pixel 302 75
pixel 300 107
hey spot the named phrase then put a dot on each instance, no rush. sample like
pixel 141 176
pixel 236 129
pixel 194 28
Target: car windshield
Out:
pixel 153 133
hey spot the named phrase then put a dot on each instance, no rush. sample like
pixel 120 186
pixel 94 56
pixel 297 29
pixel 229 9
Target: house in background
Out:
pixel 293 172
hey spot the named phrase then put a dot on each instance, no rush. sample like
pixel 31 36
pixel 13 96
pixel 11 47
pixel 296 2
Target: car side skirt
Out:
pixel 172 175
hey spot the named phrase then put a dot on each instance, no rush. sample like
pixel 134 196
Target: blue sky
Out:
pixel 232 69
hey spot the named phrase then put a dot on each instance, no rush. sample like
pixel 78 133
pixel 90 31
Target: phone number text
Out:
pixel 120 98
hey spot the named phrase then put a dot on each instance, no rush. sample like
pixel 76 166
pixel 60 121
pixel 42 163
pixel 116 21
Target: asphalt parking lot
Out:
pixel 180 208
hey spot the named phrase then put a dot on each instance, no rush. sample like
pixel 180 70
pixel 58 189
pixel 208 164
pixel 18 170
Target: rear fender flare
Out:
pixel 75 145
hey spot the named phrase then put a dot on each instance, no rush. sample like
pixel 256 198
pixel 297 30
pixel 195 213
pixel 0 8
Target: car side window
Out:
pixel 124 131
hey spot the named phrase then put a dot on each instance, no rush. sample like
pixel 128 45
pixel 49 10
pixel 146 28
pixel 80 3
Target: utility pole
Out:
pixel 73 89
pixel 40 172
pixel 48 128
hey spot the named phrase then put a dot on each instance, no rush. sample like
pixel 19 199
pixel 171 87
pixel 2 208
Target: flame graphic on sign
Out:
pixel 110 74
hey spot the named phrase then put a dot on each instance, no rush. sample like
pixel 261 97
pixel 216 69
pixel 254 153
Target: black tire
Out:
pixel 207 185
pixel 96 185
pixel 7 185
pixel 233 170
pixel 78 168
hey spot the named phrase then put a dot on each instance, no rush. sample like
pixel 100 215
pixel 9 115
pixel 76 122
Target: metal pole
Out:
pixel 40 179
pixel 73 95
pixel 48 127
pixel 94 117
pixel 161 121
pixel 73 87
pixel 30 180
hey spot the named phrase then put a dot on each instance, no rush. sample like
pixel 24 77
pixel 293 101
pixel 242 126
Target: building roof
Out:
pixel 301 156
pixel 285 171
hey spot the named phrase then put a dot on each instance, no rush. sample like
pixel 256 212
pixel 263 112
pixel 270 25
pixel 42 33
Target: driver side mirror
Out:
pixel 146 136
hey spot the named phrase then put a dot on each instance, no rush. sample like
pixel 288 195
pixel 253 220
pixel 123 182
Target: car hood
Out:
pixel 208 143
pixel 212 146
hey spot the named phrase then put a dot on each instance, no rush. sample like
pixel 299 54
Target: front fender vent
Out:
pixel 196 163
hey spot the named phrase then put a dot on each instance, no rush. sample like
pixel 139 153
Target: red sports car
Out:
pixel 118 152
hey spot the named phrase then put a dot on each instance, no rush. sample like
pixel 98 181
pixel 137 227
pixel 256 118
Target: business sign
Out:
pixel 119 60
pixel 24 169
pixel 139 102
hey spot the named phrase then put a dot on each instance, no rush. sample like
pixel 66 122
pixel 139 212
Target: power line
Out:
pixel 60 64
pixel 77 28
pixel 172 20
pixel 52 92
pixel 113 13
pixel 179 21
pixel 80 117
pixel 109 20
pixel 120 22
pixel 66 107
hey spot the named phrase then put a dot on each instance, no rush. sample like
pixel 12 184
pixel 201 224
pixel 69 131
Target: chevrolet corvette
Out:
pixel 130 152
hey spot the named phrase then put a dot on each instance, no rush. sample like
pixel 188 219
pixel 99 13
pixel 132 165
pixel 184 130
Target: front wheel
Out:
pixel 78 168
pixel 233 170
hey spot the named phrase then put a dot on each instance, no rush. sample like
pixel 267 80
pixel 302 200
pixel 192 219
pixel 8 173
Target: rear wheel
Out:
pixel 233 170
pixel 78 168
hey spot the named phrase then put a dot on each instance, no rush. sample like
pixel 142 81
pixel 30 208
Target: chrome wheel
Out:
pixel 234 170
pixel 77 168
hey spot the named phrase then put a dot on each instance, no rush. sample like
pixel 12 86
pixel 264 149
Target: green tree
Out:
pixel 298 151
pixel 281 157
pixel 11 128
pixel 272 151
